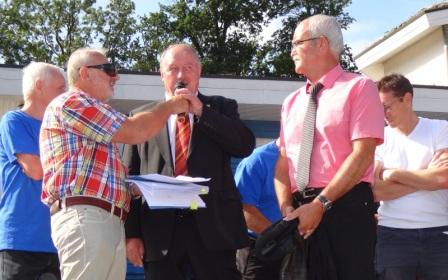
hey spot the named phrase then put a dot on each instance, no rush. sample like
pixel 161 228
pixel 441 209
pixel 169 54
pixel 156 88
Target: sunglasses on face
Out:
pixel 107 68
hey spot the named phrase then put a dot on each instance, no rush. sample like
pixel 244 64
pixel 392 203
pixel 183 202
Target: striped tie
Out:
pixel 306 142
pixel 183 132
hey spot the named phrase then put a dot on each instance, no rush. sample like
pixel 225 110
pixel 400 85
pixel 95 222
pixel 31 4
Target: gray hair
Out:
pixel 81 57
pixel 37 71
pixel 183 46
pixel 328 26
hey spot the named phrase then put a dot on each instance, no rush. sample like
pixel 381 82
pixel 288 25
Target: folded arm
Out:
pixel 425 179
pixel 255 220
pixel 30 165
pixel 435 177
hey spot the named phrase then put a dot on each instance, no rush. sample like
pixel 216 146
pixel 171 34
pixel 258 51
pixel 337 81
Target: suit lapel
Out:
pixel 163 142
pixel 194 131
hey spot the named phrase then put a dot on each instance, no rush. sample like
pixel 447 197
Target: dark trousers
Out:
pixel 404 254
pixel 254 269
pixel 343 246
pixel 188 259
pixel 20 265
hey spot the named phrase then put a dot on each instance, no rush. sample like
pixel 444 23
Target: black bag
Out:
pixel 277 241
pixel 294 265
pixel 311 259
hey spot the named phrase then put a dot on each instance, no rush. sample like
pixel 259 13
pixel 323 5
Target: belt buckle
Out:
pixel 308 193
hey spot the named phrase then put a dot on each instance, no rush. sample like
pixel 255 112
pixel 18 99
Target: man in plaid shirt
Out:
pixel 84 178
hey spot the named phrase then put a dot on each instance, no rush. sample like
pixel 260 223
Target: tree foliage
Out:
pixel 49 30
pixel 227 34
pixel 155 35
pixel 292 12
pixel 115 29
pixel 14 28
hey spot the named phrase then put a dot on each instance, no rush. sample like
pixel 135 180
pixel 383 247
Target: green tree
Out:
pixel 116 29
pixel 278 49
pixel 45 30
pixel 155 34
pixel 14 31
pixel 225 33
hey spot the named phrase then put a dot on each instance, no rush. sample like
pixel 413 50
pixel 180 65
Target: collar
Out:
pixel 328 79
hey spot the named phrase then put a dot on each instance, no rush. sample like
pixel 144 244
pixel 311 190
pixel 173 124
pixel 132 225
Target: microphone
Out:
pixel 180 84
pixel 182 117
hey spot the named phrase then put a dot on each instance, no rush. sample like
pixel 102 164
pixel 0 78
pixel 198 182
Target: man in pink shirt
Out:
pixel 337 220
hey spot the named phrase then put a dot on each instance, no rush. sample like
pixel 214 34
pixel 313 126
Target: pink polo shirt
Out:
pixel 349 108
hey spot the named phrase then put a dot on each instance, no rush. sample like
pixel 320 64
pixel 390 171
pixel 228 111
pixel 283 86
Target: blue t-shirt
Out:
pixel 254 178
pixel 24 219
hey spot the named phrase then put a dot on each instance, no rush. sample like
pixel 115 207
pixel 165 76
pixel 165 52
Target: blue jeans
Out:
pixel 403 254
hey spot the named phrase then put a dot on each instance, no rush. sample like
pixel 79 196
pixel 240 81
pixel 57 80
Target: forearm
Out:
pixel 150 123
pixel 255 220
pixel 30 165
pixel 424 179
pixel 144 125
pixel 282 185
pixel 352 169
pixel 386 190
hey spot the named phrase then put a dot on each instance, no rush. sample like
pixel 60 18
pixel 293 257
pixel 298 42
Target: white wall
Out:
pixel 423 63
pixel 10 81
pixel 258 99
pixel 8 103
pixel 245 91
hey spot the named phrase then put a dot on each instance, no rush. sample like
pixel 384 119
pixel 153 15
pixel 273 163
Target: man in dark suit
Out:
pixel 170 242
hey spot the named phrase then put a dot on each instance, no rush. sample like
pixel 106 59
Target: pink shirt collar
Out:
pixel 328 79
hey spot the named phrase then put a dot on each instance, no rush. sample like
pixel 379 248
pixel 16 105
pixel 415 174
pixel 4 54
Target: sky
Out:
pixel 373 18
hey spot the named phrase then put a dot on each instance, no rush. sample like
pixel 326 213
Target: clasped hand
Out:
pixel 185 102
pixel 309 215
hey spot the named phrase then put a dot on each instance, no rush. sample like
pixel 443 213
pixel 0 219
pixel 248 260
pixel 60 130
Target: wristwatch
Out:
pixel 326 203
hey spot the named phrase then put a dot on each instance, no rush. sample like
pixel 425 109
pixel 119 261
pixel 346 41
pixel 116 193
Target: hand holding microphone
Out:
pixel 195 104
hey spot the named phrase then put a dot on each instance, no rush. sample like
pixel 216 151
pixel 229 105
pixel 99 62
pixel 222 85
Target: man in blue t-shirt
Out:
pixel 26 248
pixel 254 178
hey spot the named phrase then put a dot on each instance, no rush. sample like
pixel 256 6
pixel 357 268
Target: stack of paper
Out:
pixel 162 191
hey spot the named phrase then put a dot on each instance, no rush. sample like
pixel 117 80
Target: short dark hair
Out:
pixel 397 84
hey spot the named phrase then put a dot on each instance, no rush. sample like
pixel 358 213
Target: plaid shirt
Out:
pixel 77 155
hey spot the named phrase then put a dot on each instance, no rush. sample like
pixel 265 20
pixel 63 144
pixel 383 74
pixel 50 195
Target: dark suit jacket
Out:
pixel 216 136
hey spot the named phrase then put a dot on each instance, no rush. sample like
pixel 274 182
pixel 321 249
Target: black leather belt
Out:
pixel 89 200
pixel 308 195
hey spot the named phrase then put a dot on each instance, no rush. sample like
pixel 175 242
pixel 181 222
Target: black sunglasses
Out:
pixel 107 68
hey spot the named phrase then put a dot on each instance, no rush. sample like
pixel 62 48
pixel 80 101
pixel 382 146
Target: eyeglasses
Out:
pixel 300 42
pixel 107 68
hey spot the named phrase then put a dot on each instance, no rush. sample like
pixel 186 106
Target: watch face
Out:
pixel 325 202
